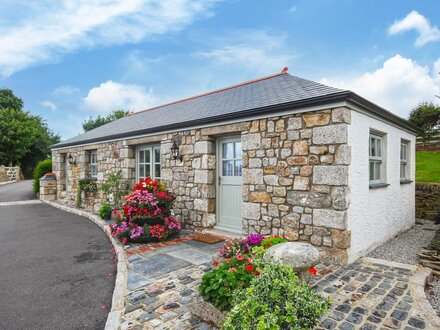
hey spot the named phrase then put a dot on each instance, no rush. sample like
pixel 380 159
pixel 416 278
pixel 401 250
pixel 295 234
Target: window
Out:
pixel 148 162
pixel 377 174
pixel 93 164
pixel 231 159
pixel 404 161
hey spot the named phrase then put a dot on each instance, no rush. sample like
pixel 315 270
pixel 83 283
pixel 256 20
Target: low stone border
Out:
pixel 417 283
pixel 207 312
pixel 32 201
pixel 113 318
pixel 7 182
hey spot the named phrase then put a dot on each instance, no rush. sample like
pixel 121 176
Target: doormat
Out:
pixel 207 238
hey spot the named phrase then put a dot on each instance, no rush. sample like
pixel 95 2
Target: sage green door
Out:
pixel 229 184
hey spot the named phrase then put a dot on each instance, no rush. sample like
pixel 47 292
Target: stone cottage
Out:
pixel 276 155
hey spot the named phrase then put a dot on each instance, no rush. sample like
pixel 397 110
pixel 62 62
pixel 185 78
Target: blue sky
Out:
pixel 69 59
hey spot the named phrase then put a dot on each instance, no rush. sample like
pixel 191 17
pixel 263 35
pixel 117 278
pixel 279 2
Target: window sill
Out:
pixel 378 185
pixel 405 181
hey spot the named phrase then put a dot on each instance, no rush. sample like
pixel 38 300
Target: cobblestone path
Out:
pixel 163 280
pixel 366 295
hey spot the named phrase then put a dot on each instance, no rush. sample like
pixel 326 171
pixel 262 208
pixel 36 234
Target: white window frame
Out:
pixel 152 163
pixel 404 160
pixel 376 153
pixel 94 164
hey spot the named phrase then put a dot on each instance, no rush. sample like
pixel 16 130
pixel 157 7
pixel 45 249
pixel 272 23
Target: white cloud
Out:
pixel 398 86
pixel 257 51
pixel 49 105
pixel 42 36
pixel 418 22
pixel 65 90
pixel 111 95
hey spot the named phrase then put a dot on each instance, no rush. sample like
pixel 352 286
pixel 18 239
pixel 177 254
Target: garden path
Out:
pixel 368 294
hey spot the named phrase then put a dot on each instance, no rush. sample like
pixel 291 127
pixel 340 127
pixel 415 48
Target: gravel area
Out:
pixel 405 246
pixel 433 294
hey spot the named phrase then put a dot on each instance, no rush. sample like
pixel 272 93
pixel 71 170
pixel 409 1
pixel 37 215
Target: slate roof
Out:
pixel 264 95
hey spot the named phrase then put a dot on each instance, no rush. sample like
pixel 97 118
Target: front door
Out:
pixel 229 183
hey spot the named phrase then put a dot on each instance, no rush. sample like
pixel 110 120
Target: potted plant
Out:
pixel 105 211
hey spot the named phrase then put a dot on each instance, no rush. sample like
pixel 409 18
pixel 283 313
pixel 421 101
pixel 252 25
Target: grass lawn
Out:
pixel 427 166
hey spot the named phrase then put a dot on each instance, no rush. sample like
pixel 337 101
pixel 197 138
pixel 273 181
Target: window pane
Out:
pixel 379 147
pixel 372 147
pixel 377 172
pixel 141 156
pixel 237 150
pixel 147 156
pixel 147 170
pixel 157 171
pixel 238 168
pixel 228 150
pixel 228 169
pixel 371 171
pixel 157 155
pixel 141 171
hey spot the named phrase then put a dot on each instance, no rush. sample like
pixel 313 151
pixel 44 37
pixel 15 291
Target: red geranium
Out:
pixel 249 268
pixel 313 271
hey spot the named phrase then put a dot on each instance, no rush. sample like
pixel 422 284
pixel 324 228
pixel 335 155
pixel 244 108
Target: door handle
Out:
pixel 219 180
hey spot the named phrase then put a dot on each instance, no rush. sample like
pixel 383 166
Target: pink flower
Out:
pixel 232 270
pixel 239 257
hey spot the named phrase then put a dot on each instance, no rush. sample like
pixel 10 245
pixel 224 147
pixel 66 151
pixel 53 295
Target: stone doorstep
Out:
pixel 116 311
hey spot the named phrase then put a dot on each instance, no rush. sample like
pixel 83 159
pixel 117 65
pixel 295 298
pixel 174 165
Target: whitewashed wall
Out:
pixel 376 215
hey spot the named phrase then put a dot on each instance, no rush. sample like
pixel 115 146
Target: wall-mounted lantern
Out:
pixel 175 150
pixel 71 160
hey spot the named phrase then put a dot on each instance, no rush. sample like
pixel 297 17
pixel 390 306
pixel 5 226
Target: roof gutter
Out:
pixel 316 101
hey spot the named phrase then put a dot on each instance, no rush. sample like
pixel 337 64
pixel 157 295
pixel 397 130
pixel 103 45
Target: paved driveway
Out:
pixel 56 268
pixel 19 191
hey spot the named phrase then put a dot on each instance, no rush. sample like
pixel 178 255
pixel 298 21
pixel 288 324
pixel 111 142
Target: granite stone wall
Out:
pixel 427 200
pixel 295 175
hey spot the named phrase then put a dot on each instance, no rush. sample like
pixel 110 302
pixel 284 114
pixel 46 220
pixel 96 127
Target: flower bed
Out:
pixel 278 298
pixel 146 214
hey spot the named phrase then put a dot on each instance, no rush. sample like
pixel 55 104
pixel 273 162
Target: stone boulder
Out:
pixel 300 256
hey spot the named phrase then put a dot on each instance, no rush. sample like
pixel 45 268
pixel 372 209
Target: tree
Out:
pixel 427 116
pixel 9 100
pixel 91 123
pixel 25 139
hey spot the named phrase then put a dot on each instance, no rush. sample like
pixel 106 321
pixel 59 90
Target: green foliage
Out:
pixel 105 210
pixel 86 185
pixel 115 188
pixel 91 123
pixel 275 300
pixel 426 116
pixel 43 167
pixel 9 100
pixel 24 138
pixel 219 285
pixel 427 166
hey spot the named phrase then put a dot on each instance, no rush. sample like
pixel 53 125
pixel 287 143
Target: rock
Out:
pixel 330 134
pixel 330 175
pixel 300 256
pixel 301 183
pixel 341 115
pixel 300 148
pixel 207 312
pixel 309 198
pixel 259 197
pixel 252 176
pixel 316 119
pixel 294 123
pixel 251 141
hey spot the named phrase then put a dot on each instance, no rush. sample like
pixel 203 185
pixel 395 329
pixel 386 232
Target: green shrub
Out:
pixel 105 210
pixel 43 167
pixel 219 285
pixel 275 300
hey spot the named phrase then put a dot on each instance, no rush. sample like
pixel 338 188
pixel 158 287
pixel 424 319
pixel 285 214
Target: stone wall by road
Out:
pixel 427 200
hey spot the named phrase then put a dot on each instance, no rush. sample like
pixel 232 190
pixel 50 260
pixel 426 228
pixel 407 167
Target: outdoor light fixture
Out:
pixel 175 151
pixel 71 160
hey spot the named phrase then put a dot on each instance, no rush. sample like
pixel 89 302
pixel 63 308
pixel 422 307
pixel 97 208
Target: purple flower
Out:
pixel 252 240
